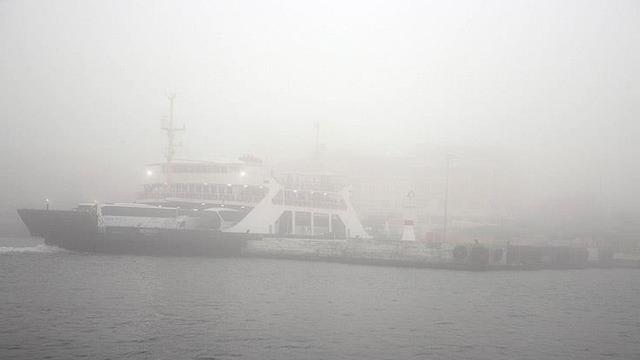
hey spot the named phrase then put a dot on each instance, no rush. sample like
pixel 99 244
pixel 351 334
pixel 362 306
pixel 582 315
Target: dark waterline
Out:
pixel 64 305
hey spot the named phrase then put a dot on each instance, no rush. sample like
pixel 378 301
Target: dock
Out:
pixel 469 257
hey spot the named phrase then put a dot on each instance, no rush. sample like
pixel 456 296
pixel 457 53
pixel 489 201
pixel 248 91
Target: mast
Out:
pixel 171 131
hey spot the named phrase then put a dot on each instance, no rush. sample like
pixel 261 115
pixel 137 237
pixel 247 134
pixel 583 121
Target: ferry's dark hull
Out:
pixel 78 231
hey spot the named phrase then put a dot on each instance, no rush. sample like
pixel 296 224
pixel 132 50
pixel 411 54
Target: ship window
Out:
pixel 283 225
pixel 320 224
pixel 303 218
pixel 303 223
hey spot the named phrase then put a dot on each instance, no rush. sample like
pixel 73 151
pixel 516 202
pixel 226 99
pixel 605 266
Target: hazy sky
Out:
pixel 84 82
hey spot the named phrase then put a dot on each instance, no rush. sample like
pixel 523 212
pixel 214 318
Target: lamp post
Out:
pixel 448 157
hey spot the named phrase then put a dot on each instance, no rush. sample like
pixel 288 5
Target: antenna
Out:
pixel 171 131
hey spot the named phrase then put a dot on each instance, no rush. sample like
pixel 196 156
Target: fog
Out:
pixel 452 179
pixel 551 84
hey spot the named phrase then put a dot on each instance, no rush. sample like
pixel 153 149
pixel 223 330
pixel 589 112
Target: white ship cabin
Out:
pixel 216 183
pixel 306 205
pixel 290 204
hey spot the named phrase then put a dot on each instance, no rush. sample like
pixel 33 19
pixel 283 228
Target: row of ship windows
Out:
pixel 202 188
pixel 310 199
pixel 229 215
pixel 192 168
pixel 300 223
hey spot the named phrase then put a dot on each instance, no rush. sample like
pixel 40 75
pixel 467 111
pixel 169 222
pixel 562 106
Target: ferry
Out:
pixel 189 207
pixel 209 208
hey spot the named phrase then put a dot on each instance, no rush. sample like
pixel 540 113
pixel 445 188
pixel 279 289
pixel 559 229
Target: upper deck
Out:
pixel 239 183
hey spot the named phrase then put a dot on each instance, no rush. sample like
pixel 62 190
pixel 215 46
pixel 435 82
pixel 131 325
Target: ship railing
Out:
pixel 312 186
pixel 326 204
pixel 252 199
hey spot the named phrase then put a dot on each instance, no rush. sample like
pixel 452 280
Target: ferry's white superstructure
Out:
pixel 292 204
pixel 263 201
